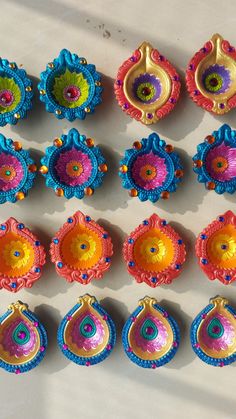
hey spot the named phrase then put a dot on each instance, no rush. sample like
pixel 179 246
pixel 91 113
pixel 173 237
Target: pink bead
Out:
pixel 154 366
pixel 221 364
pixel 175 344
pixel 130 349
pixel 197 345
pixel 35 324
pixel 17 371
pixel 42 349
pixel 109 347
pixel 69 318
pixel 165 314
pixel 105 317
pixel 64 346
pixel 204 316
pixel 133 318
pixel 88 363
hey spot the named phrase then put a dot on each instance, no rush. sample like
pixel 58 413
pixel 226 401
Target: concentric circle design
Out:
pixel 73 167
pixel 216 79
pixel 10 95
pixel 70 89
pixel 221 248
pixel 19 339
pixel 147 88
pixel 149 171
pixel 221 162
pixel 17 255
pixel 11 172
pixel 88 331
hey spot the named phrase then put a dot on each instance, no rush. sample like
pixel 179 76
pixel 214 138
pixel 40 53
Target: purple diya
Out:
pixel 213 333
pixel 150 336
pixel 87 333
pixel 23 339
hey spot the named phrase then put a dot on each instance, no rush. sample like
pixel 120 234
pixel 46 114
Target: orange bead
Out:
pixel 43 170
pixel 123 169
pixel 17 145
pixel 137 145
pixel 211 185
pixel 179 173
pixel 165 195
pixel 57 142
pixel 20 195
pixel 133 192
pixel 210 139
pixel 89 142
pixel 88 191
pixel 197 163
pixel 103 168
pixel 59 192
pixel 169 148
pixel 32 168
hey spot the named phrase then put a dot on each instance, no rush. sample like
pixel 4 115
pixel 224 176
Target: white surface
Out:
pixel 106 32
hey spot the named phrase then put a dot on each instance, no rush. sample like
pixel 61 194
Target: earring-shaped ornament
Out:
pixel 16 93
pixel 210 76
pixel 87 333
pixel 150 335
pixel 69 87
pixel 213 333
pixel 23 339
pixel 73 166
pixel 81 250
pixel 147 86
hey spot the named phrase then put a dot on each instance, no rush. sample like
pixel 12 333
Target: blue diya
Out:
pixel 15 93
pixel 73 166
pixel 69 87
pixel 17 171
pixel 215 160
pixel 151 169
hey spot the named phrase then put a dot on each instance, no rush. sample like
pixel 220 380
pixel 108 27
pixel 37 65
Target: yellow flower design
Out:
pixel 9 84
pixel 16 254
pixel 153 249
pixel 223 247
pixel 70 79
pixel 83 247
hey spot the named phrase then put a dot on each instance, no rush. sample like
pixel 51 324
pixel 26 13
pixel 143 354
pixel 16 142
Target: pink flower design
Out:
pixel 83 342
pixel 157 168
pixel 228 154
pixel 15 169
pixel 74 156
pixel 223 342
pixel 12 347
pixel 154 344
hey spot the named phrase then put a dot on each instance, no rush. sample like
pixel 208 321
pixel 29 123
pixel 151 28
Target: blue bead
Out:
pixel 154 280
pixel 37 270
pixel 70 220
pixel 164 222
pixel 180 241
pixel 107 259
pixel 130 241
pixel 203 236
pixel 37 243
pixel 87 218
pixel 204 261
pixel 153 249
pixel 84 276
pixel 228 277
pixel 83 246
pixel 20 226
pixel 3 227
pixel 59 264
pixel 145 222
pixel 221 219
pixel 17 254
pixel 105 236
pixel 177 266
pixel 13 285
pixel 56 241
pixel 131 263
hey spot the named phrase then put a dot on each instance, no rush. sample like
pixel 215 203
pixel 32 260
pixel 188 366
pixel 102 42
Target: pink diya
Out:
pixel 154 252
pixel 210 76
pixel 147 86
pixel 21 256
pixel 81 249
pixel 216 249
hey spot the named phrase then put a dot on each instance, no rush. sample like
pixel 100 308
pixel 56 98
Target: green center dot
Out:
pixel 220 164
pixel 7 172
pixel 75 168
pixel 148 172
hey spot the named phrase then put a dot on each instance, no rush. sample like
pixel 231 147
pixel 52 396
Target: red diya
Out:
pixel 81 250
pixel 154 252
pixel 216 249
pixel 21 256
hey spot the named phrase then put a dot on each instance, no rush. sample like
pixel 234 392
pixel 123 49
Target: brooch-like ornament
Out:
pixel 87 334
pixel 216 249
pixel 213 333
pixel 17 171
pixel 21 256
pixel 147 86
pixel 81 249
pixel 23 339
pixel 73 166
pixel 69 87
pixel 151 169
pixel 214 162
pixel 150 336
pixel 16 93
pixel 210 76
pixel 154 252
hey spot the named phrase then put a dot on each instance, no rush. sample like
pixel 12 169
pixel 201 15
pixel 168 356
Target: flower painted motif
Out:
pixel 87 333
pixel 213 333
pixel 17 171
pixel 69 87
pixel 21 256
pixel 150 335
pixel 81 250
pixel 151 170
pixel 210 76
pixel 154 253
pixel 216 249
pixel 215 161
pixel 73 166
pixel 147 86
pixel 23 339
pixel 15 93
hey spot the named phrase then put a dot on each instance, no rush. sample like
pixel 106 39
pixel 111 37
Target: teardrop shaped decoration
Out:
pixel 154 252
pixel 216 249
pixel 21 256
pixel 210 76
pixel 23 339
pixel 73 166
pixel 214 162
pixel 150 335
pixel 151 169
pixel 81 249
pixel 87 333
pixel 213 333
pixel 147 86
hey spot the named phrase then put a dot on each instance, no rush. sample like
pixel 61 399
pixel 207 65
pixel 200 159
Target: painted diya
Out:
pixel 213 333
pixel 154 252
pixel 16 93
pixel 150 335
pixel 215 161
pixel 216 249
pixel 17 171
pixel 147 86
pixel 87 334
pixel 21 256
pixel 69 87
pixel 210 76
pixel 151 170
pixel 73 166
pixel 23 339
pixel 81 250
